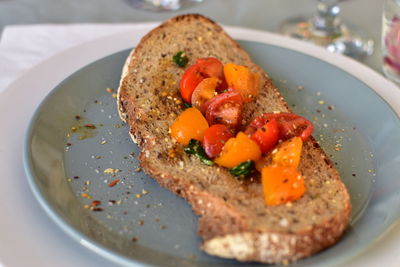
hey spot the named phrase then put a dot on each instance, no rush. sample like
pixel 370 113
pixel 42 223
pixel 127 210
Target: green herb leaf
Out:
pixel 243 169
pixel 180 59
pixel 187 105
pixel 194 148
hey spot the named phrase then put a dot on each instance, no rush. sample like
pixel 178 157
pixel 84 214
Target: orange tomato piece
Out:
pixel 281 184
pixel 286 154
pixel 242 79
pixel 204 91
pixel 289 153
pixel 237 150
pixel 190 124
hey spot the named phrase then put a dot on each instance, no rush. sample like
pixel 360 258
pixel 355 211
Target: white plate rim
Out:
pixel 84 54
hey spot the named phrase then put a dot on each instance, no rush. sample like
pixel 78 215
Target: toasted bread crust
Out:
pixel 238 226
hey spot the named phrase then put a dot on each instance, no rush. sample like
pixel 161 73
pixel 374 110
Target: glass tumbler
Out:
pixel 391 39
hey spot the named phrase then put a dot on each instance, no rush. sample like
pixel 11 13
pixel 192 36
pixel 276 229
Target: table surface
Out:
pixel 257 14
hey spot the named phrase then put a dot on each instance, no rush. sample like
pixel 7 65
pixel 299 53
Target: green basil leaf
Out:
pixel 243 169
pixel 180 59
pixel 186 105
pixel 194 148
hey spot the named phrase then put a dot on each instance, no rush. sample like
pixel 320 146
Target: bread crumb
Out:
pixel 144 192
pixel 111 171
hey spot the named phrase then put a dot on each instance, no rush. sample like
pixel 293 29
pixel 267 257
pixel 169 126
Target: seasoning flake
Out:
pixel 113 183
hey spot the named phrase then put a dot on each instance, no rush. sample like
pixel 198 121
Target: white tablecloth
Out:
pixel 24 46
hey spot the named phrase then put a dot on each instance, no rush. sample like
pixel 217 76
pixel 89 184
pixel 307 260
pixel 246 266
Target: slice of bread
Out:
pixel 234 222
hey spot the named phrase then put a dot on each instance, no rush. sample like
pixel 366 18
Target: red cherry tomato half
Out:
pixel 212 67
pixel 203 68
pixel 225 108
pixel 215 138
pixel 189 81
pixel 267 136
pixel 289 125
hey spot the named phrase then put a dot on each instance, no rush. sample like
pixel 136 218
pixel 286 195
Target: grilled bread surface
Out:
pixel 234 222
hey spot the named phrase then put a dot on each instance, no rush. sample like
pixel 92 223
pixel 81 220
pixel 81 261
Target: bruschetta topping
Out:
pixel 272 142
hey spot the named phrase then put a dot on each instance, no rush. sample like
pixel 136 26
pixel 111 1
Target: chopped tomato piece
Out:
pixel 225 108
pixel 281 184
pixel 204 91
pixel 237 150
pixel 190 124
pixel 288 153
pixel 267 136
pixel 203 68
pixel 211 67
pixel 289 125
pixel 189 81
pixel 242 79
pixel 214 139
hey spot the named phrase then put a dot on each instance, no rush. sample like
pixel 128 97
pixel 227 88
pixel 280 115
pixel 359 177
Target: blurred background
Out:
pixel 267 15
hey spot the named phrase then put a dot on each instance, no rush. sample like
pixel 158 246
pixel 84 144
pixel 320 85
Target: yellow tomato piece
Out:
pixel 242 79
pixel 190 124
pixel 204 91
pixel 288 153
pixel 281 184
pixel 237 150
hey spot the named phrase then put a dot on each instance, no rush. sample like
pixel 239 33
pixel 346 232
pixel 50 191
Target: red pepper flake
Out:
pixel 90 126
pixel 76 177
pixel 97 209
pixel 113 183
pixel 95 203
pixel 68 144
pixel 134 239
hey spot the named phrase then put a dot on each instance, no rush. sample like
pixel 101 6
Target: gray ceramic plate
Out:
pixel 69 162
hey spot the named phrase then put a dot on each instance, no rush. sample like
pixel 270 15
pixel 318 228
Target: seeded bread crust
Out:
pixel 233 220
